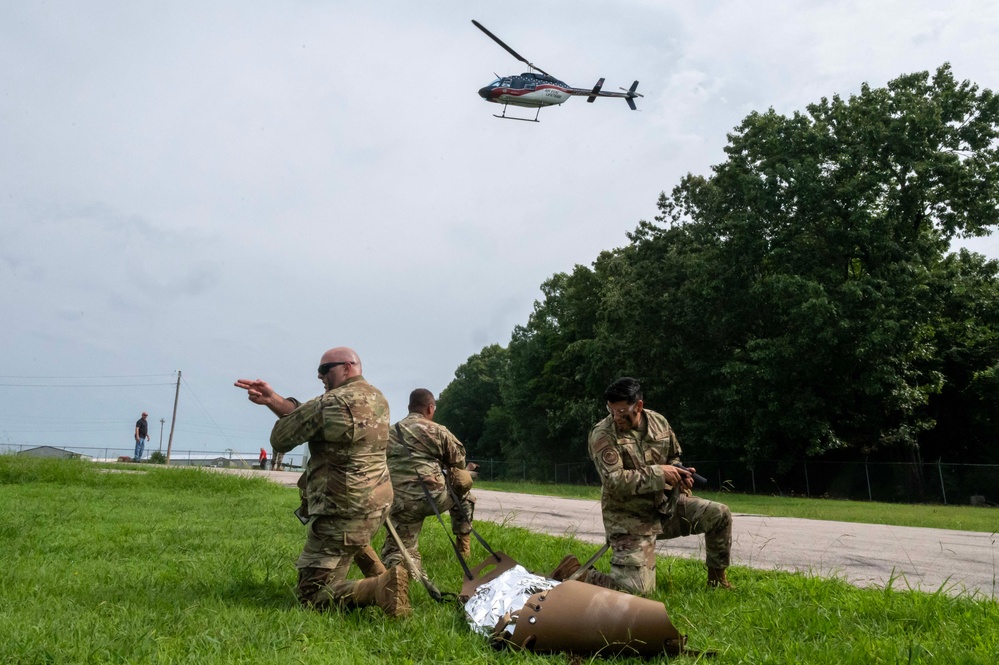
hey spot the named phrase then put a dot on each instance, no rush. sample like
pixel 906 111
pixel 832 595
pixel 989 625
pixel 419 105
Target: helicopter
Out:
pixel 537 88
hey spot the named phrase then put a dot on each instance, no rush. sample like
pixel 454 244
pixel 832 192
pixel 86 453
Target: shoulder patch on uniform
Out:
pixel 599 442
pixel 610 457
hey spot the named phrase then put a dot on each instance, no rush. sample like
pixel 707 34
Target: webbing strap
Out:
pixel 464 516
pixel 437 512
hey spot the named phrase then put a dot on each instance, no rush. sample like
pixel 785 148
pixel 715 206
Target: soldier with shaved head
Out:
pixel 346 486
pixel 423 456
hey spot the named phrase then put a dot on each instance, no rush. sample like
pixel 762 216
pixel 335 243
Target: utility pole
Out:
pixel 173 421
pixel 162 420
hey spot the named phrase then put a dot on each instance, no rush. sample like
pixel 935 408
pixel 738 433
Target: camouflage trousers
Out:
pixel 325 561
pixel 408 514
pixel 633 562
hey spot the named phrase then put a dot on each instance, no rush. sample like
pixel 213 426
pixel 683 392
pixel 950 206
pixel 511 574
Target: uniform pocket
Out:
pixel 630 456
pixel 366 491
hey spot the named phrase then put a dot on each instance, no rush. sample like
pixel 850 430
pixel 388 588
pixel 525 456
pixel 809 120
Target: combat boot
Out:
pixel 717 579
pixel 597 578
pixel 464 543
pixel 565 568
pixel 369 563
pixel 389 591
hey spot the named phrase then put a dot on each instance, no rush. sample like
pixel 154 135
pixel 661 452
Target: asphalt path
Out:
pixel 861 554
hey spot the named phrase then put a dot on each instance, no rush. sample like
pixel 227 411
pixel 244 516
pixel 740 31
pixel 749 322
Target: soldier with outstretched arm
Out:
pixel 347 487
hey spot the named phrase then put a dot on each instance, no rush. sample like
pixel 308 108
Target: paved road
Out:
pixel 862 554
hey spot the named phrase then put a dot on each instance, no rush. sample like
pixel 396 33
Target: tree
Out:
pixel 465 403
pixel 823 231
pixel 965 290
pixel 549 384
pixel 800 300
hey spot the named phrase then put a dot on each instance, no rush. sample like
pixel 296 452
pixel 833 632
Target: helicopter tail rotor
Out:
pixel 630 95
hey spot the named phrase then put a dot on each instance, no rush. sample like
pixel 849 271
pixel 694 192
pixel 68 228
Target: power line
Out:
pixel 201 406
pixel 98 376
pixel 80 385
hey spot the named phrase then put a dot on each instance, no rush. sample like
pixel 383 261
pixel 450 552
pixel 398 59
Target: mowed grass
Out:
pixel 187 566
pixel 965 518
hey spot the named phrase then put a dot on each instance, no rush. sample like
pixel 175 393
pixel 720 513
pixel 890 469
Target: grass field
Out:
pixel 185 566
pixel 966 518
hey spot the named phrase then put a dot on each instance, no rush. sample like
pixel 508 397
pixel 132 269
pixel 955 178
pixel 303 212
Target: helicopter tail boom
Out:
pixel 627 95
pixel 595 92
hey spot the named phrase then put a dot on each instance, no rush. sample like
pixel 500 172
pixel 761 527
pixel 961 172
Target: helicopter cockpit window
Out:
pixel 518 83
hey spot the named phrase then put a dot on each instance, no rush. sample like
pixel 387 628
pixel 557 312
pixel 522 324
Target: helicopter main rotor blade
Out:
pixel 508 49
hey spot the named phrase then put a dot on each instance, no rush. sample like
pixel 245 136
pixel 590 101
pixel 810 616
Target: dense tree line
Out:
pixel 801 301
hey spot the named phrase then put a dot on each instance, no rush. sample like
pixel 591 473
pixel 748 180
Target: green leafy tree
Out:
pixel 965 290
pixel 554 379
pixel 465 403
pixel 822 231
pixel 800 300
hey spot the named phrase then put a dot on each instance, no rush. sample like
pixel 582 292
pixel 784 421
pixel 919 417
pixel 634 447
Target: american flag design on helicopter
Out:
pixel 528 89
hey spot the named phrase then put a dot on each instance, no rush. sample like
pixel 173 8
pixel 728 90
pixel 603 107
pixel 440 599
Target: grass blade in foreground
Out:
pixel 181 565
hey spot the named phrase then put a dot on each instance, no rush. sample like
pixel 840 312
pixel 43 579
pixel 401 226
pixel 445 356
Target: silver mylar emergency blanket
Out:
pixel 507 593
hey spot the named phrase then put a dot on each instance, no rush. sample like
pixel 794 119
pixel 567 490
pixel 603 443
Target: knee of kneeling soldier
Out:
pixel 311 589
pixel 724 519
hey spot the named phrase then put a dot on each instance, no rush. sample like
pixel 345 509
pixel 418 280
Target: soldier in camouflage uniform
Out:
pixel 645 498
pixel 421 458
pixel 346 484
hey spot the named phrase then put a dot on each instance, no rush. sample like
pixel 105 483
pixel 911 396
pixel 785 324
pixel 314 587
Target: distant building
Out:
pixel 217 461
pixel 51 451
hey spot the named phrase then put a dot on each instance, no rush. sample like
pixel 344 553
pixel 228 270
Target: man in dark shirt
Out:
pixel 141 436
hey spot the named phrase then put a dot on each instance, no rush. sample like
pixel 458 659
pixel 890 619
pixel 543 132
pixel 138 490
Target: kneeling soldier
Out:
pixel 645 498
pixel 423 455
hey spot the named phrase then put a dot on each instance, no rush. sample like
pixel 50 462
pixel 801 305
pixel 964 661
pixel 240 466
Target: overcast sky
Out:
pixel 231 188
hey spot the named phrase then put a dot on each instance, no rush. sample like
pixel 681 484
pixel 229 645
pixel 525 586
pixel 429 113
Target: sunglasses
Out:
pixel 325 367
pixel 621 412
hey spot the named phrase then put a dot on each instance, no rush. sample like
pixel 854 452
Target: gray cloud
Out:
pixel 232 188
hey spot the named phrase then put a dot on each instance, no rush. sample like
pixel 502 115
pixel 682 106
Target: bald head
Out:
pixel 341 364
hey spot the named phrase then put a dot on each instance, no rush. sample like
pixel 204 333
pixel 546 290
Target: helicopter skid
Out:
pixel 513 117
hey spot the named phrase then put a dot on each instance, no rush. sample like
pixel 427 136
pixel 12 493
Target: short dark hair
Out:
pixel 420 399
pixel 624 389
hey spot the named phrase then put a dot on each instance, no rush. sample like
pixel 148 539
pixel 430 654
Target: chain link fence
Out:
pixel 227 458
pixel 899 482
pixel 930 482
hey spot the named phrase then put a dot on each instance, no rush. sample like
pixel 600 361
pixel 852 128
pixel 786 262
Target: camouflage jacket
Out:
pixel 347 432
pixel 432 446
pixel 635 493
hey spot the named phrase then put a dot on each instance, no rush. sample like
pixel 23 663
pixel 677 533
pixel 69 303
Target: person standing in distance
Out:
pixel 644 497
pixel 141 436
pixel 346 484
pixel 426 455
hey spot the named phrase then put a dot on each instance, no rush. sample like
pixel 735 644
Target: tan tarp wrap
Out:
pixel 580 618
